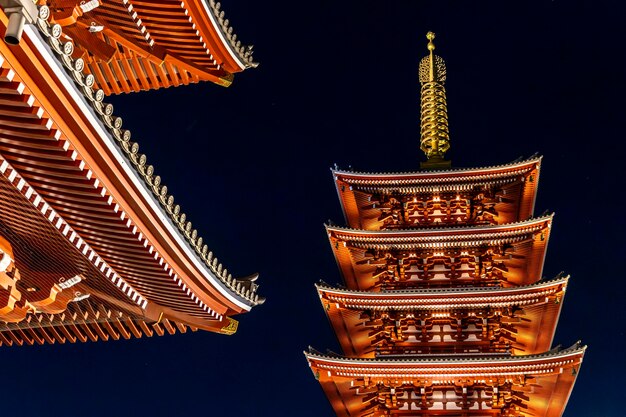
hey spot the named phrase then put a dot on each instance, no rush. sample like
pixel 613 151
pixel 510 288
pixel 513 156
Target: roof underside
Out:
pixel 134 45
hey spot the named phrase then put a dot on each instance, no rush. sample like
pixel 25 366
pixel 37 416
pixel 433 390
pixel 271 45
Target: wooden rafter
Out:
pixel 134 45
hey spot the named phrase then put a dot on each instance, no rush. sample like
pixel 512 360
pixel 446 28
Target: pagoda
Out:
pixel 93 246
pixel 444 311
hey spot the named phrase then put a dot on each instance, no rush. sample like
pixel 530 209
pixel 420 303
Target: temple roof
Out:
pixel 139 163
pixel 524 239
pixel 133 45
pixel 67 158
pixel 536 309
pixel 514 184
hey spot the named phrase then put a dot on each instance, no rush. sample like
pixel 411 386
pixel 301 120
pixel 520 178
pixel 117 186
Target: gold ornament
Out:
pixel 435 137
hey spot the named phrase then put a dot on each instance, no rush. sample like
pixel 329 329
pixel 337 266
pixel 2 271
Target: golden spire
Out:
pixel 435 138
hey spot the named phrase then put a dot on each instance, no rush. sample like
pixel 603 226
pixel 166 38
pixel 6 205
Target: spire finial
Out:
pixel 435 140
pixel 431 47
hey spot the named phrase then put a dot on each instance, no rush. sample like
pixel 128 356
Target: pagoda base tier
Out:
pixel 449 385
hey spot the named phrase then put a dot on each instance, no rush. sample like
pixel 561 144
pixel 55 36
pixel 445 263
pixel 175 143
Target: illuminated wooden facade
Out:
pixel 92 244
pixel 444 310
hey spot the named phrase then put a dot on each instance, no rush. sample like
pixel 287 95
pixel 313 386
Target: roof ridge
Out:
pixel 555 352
pixel 245 290
pixel 478 290
pixel 533 158
pixel 548 216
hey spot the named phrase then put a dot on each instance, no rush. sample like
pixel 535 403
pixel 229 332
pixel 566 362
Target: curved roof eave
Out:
pixel 577 349
pixel 437 232
pixel 456 172
pixel 473 291
pixel 241 54
pixel 141 174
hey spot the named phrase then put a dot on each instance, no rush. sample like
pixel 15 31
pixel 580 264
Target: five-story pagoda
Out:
pixel 444 310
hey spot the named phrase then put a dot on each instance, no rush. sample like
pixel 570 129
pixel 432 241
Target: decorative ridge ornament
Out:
pixel 435 137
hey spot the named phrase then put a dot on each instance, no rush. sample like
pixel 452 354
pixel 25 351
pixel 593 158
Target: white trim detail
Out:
pixel 218 29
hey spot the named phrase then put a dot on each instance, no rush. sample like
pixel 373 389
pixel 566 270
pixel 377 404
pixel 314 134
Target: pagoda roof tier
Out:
pixel 72 180
pixel 524 317
pixel 134 45
pixel 512 192
pixel 532 385
pixel 512 253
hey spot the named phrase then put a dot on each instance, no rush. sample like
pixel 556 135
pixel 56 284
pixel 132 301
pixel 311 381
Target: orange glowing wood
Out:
pixel 68 197
pixel 446 312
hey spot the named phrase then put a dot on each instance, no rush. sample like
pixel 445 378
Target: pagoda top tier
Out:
pixel 134 45
pixel 473 196
pixel 437 195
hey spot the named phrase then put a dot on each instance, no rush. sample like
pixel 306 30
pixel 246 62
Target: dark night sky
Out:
pixel 338 84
